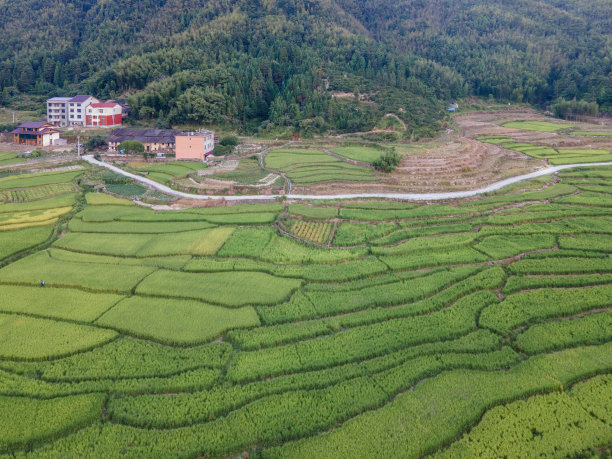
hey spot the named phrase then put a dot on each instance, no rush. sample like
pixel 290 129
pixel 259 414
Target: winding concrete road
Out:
pixel 405 196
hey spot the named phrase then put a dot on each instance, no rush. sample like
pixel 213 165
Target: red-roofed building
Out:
pixel 103 114
pixel 36 133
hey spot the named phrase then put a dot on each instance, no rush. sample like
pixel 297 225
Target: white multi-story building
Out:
pixel 77 109
pixel 57 111
pixel 69 111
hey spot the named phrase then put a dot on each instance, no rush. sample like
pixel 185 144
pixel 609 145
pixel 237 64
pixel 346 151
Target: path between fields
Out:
pixel 405 196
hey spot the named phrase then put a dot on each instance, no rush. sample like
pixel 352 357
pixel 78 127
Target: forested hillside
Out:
pixel 533 51
pixel 264 63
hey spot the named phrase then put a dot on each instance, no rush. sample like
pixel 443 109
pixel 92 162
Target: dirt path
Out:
pixel 373 131
pixel 404 196
pixel 393 115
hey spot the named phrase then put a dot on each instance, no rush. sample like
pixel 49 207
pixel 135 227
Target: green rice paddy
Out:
pixel 369 328
pixel 364 154
pixel 542 126
pixel 165 172
pixel 312 166
pixel 556 156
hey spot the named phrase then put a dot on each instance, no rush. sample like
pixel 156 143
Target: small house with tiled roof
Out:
pixel 35 133
pixel 154 140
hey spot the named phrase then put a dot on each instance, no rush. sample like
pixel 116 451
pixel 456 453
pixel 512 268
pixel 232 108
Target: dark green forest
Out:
pixel 260 64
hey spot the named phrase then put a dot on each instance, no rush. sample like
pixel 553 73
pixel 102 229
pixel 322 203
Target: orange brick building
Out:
pixel 195 145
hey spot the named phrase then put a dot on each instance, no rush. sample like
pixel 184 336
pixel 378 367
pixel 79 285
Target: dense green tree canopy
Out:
pixel 264 63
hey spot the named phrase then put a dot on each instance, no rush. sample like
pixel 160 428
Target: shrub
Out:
pixel 131 146
pixel 229 141
pixel 221 150
pixel 388 161
pixel 94 142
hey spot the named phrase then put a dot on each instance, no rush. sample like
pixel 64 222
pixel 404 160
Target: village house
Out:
pixel 57 111
pixel 68 111
pixel 195 145
pixel 154 140
pixel 78 108
pixel 35 133
pixel 104 114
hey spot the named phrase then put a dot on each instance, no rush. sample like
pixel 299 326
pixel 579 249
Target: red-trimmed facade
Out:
pixel 105 114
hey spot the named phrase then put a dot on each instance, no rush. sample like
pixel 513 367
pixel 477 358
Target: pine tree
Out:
pixel 26 78
pixel 57 76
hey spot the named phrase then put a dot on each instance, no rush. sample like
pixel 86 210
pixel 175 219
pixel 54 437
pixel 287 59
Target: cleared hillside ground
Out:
pixel 365 328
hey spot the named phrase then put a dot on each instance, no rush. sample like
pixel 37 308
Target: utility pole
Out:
pixel 78 145
pixel 13 117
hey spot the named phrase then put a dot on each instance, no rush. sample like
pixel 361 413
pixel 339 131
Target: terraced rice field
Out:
pixel 9 159
pixel 541 126
pixel 592 133
pixel 556 156
pixel 313 166
pixel 462 329
pixel 31 207
pixel 357 153
pixel 164 172
pixel 459 165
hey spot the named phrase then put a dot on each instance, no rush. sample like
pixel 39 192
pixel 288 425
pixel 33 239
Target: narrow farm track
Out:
pixel 405 196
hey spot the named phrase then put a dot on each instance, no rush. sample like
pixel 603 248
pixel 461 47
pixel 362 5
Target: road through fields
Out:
pixel 403 196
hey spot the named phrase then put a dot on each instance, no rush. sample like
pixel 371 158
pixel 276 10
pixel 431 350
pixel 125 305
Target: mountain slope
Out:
pixel 268 63
pixel 527 50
